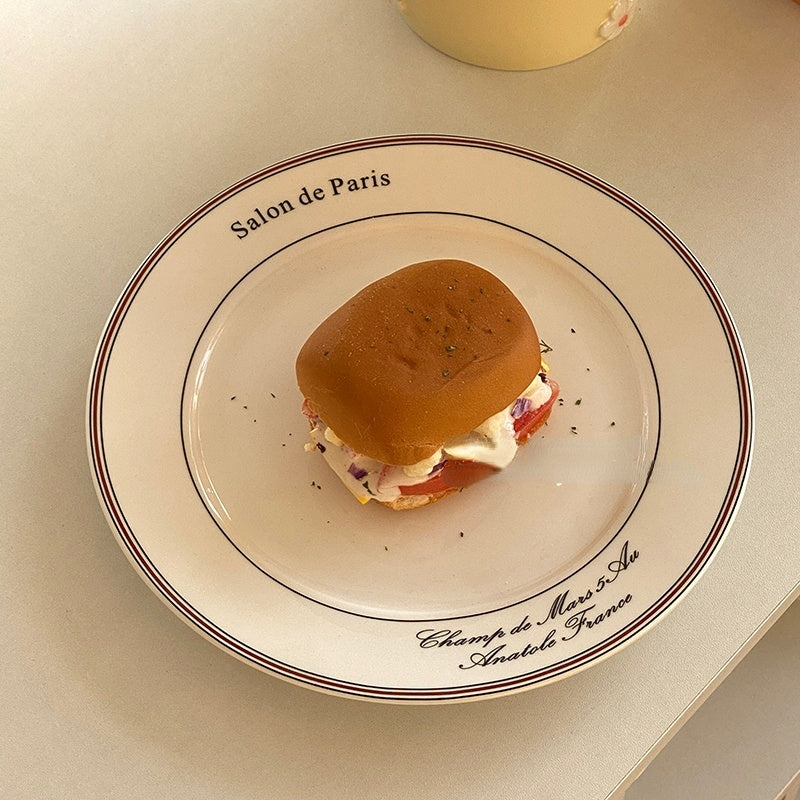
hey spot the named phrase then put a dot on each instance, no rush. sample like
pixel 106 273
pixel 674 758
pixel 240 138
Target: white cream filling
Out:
pixel 424 467
pixel 360 474
pixel 493 442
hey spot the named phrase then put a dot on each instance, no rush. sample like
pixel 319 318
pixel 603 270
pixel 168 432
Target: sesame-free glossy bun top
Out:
pixel 424 354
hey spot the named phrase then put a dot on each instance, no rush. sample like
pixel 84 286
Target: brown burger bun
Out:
pixel 424 354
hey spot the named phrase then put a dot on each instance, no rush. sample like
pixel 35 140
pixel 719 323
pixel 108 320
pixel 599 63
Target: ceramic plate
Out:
pixel 598 528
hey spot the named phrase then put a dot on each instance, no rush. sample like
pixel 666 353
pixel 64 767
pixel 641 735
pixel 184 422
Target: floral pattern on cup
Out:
pixel 618 19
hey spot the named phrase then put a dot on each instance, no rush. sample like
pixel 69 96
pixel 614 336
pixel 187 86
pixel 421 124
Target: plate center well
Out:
pixel 566 496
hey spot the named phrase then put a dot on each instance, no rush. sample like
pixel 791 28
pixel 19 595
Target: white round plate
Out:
pixel 597 529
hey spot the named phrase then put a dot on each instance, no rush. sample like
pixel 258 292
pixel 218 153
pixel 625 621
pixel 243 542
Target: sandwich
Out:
pixel 423 383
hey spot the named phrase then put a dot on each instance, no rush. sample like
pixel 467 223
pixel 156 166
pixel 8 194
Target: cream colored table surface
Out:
pixel 119 118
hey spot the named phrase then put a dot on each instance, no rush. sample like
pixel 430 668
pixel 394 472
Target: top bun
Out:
pixel 427 353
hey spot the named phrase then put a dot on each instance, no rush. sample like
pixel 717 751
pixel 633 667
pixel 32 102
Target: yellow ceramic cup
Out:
pixel 517 34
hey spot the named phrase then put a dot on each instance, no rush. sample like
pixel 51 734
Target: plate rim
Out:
pixel 126 536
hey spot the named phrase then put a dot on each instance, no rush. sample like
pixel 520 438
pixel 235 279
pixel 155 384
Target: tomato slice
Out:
pixel 453 475
pixel 530 422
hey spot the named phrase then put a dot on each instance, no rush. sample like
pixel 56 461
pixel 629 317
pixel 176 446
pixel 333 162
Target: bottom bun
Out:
pixel 406 502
